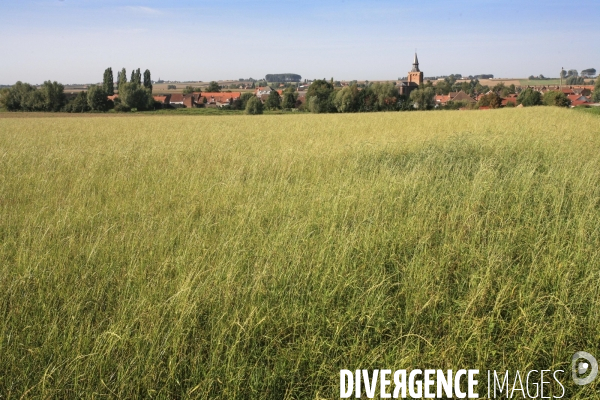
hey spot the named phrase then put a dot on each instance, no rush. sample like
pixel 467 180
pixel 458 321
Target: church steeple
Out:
pixel 415 67
pixel 415 75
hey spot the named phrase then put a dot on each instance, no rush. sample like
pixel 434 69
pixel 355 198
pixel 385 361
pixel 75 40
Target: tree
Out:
pixel 273 101
pixel 108 82
pixel 79 104
pixel 529 97
pixel 556 98
pixel 96 98
pixel 289 99
pixel 54 96
pixel 491 100
pixel 347 99
pixel 254 106
pixel 423 99
pixel 24 97
pixel 385 96
pixel 147 80
pixel 575 80
pixel 283 78
pixel 563 73
pixel 572 72
pixel 135 96
pixel 4 93
pixel 596 97
pixel 171 87
pixel 319 96
pixel 244 99
pixel 121 78
pixel 191 89
pixel 138 77
pixel 590 72
pixel 213 87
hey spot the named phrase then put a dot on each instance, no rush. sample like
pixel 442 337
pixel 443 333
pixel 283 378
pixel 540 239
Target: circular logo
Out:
pixel 579 367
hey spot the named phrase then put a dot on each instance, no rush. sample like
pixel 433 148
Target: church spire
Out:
pixel 415 67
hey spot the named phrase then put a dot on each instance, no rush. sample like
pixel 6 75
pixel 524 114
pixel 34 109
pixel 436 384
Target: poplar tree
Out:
pixel 138 77
pixel 108 85
pixel 147 80
pixel 122 78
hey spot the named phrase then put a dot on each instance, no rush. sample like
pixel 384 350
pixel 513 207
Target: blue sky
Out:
pixel 73 41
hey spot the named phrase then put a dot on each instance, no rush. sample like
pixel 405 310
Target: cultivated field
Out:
pixel 254 257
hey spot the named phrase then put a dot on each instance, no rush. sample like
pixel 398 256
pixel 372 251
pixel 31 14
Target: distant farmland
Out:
pixel 232 257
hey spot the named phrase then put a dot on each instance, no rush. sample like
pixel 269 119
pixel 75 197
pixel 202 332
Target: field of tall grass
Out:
pixel 242 257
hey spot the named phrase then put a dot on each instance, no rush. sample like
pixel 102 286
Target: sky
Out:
pixel 74 41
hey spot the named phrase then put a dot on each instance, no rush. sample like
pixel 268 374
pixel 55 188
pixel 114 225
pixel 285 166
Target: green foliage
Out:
pixel 347 99
pixel 589 72
pixel 445 86
pixel 273 101
pixel 502 90
pixel 575 80
pixel 423 99
pixel 96 98
pixel 283 78
pixel 171 87
pixel 191 89
pixel 556 98
pixel 244 97
pixel 25 97
pixel 79 104
pixel 134 96
pixel 122 78
pixel 108 82
pixel 319 96
pixel 148 80
pixel 596 95
pixel 289 99
pixel 529 97
pixel 54 96
pixel 254 106
pixel 213 87
pixel 491 100
pixel 385 96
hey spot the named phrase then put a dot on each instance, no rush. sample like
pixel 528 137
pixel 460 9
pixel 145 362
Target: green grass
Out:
pixel 255 257
pixel 589 110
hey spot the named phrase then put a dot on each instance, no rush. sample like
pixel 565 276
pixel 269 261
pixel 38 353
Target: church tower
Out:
pixel 415 75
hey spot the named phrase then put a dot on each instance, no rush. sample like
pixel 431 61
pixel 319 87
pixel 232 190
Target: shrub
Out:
pixel 254 106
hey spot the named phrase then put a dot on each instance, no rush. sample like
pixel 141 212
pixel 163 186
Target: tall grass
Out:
pixel 254 257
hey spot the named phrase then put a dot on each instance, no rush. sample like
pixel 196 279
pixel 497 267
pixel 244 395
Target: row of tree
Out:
pixel 135 94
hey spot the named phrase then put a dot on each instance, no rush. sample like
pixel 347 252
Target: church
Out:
pixel 415 78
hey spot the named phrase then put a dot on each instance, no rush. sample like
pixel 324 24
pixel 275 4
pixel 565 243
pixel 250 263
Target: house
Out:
pixel 189 101
pixel 217 99
pixel 263 90
pixel 511 98
pixel 162 99
pixel 176 100
pixel 442 99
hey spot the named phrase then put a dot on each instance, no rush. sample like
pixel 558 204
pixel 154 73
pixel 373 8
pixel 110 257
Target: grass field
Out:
pixel 240 257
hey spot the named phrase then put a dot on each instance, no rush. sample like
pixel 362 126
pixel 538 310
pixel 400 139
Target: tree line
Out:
pixel 283 78
pixel 135 94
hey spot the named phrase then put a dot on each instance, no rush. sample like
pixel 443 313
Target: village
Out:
pixel 480 97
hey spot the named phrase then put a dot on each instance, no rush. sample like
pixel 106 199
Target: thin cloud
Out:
pixel 143 10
